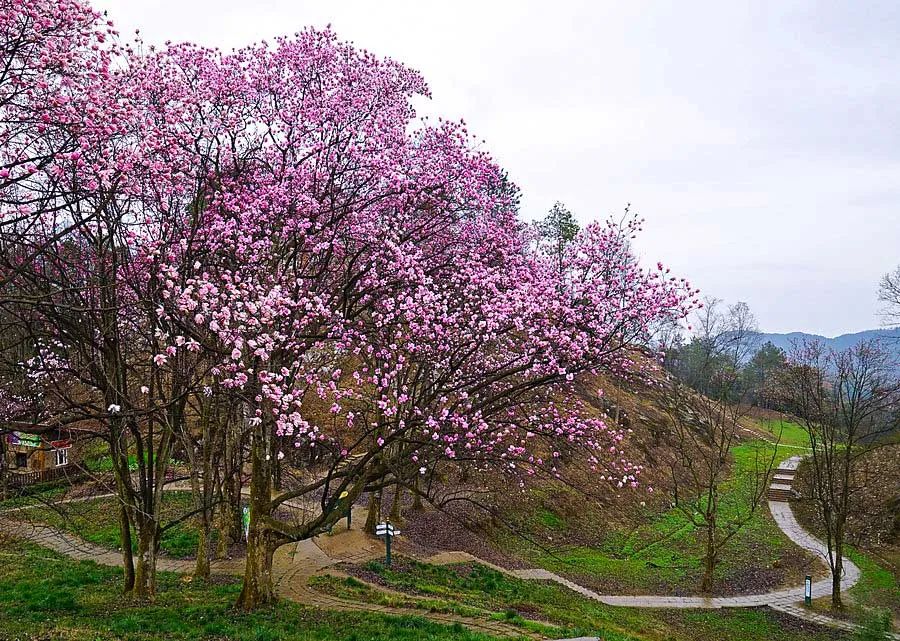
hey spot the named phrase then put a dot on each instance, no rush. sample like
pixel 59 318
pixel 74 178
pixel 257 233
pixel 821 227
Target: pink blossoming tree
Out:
pixel 273 227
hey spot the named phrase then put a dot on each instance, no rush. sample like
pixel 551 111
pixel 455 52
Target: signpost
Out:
pixel 344 495
pixel 807 591
pixel 388 532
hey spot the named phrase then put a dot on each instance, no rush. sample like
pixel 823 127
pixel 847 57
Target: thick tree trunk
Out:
pixel 145 568
pixel 374 514
pixel 837 572
pixel 201 568
pixel 232 481
pixel 397 505
pixel 258 588
pixel 127 554
pixel 202 491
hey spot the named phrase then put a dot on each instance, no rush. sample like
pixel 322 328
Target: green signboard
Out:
pixel 29 440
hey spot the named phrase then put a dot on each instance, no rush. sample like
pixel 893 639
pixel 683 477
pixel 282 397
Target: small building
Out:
pixel 36 453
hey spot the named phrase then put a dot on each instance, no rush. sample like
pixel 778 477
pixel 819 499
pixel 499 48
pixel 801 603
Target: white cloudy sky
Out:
pixel 761 140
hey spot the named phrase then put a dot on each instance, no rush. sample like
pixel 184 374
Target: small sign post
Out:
pixel 245 521
pixel 807 591
pixel 388 532
pixel 344 495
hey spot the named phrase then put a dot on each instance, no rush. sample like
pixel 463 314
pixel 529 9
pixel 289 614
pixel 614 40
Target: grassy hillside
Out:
pixel 632 540
pixel 96 521
pixel 657 550
pixel 873 528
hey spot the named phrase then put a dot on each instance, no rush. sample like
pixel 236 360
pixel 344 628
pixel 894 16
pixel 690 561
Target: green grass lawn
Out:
pixel 878 587
pixel 36 496
pixel 664 553
pixel 96 521
pixel 355 590
pixel 792 434
pixel 475 586
pixel 46 596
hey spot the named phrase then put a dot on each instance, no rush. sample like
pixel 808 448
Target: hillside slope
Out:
pixel 627 540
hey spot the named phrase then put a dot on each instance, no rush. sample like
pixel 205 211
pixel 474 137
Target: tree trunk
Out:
pixel 225 533
pixel 232 481
pixel 4 473
pixel 127 554
pixel 417 498
pixel 276 465
pixel 374 514
pixel 837 571
pixel 397 505
pixel 145 569
pixel 201 569
pixel 258 588
pixel 709 562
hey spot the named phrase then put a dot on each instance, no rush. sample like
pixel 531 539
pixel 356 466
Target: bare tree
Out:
pixel 889 294
pixel 706 426
pixel 724 339
pixel 705 431
pixel 846 400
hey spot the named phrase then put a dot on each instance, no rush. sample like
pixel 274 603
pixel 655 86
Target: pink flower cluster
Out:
pixel 280 215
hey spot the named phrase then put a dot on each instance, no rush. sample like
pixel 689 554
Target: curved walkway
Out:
pixel 787 600
pixel 784 518
pixel 296 564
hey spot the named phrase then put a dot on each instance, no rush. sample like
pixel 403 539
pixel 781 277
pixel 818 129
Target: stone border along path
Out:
pixel 295 568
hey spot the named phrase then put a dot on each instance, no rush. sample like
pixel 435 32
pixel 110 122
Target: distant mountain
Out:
pixel 891 339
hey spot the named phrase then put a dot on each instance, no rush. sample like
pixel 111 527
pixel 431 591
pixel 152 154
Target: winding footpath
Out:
pixel 787 600
pixel 295 565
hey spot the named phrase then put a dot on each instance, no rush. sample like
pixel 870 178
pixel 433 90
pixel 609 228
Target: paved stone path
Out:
pixel 294 566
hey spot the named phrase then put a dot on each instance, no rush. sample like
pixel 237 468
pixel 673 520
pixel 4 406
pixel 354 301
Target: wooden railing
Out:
pixel 16 480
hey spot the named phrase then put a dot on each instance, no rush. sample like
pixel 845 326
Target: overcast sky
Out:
pixel 760 141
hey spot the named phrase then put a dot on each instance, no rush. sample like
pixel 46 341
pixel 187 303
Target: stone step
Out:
pixel 780 486
pixel 779 495
pixel 784 478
